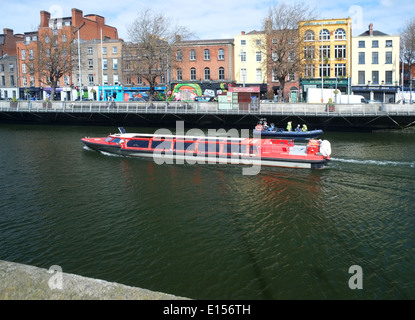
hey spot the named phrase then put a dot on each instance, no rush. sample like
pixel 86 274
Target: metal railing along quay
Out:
pixel 277 109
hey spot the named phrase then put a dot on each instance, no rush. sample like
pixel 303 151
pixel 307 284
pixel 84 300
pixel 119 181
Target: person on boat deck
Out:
pixel 289 128
pixel 272 127
pixel 298 129
pixel 304 128
pixel 265 125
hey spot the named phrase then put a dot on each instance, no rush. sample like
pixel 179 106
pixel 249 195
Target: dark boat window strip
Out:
pixel 136 143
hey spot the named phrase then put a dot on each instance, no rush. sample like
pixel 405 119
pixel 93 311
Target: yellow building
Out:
pixel 249 59
pixel 326 49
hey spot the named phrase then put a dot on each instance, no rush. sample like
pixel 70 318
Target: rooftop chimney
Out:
pixel 8 31
pixel 371 29
pixel 44 19
pixel 243 33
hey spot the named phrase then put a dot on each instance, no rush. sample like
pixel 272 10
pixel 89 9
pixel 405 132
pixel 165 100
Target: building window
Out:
pixel 207 74
pixel 340 34
pixel 221 73
pixel 258 75
pixel 31 54
pixel 340 70
pixel 90 63
pixel 375 44
pixel 388 43
pixel 309 36
pixel 388 77
pixel 340 52
pixel 128 80
pixel 258 42
pixel 274 75
pixel 326 51
pixel 309 70
pixel 243 75
pixel 291 76
pixel 104 50
pixel 206 54
pixel 274 56
pixel 115 64
pixel 12 80
pixel 24 68
pixel 104 64
pixel 361 58
pixel 105 79
pixel 375 77
pixel 221 54
pixel 375 57
pixel 1 67
pixel 91 79
pixel 179 55
pixel 64 38
pixel 291 56
pixel 243 42
pixel 324 34
pixel 23 55
pixel 361 77
pixel 325 71
pixel 24 82
pixel 243 56
pixel 274 41
pixel 362 44
pixel 115 77
pixel 388 58
pixel 179 75
pixel 258 56
pixel 309 52
pixel 192 55
pixel 32 81
pixel 3 81
pixel 114 50
pixel 90 50
pixel 193 74
pixel 66 80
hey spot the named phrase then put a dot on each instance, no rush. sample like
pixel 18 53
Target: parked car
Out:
pixel 83 99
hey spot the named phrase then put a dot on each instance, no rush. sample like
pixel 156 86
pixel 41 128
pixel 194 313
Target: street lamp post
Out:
pixel 79 62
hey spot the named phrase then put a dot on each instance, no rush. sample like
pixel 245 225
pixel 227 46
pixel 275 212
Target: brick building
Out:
pixel 8 64
pixel 65 30
pixel 204 67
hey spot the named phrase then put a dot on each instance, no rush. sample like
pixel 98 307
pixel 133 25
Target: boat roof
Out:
pixel 173 136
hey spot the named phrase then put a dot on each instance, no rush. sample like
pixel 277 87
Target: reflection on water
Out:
pixel 207 231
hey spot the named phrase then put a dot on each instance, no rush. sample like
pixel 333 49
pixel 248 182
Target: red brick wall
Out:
pixel 200 63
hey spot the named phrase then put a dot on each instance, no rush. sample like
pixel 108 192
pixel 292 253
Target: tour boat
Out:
pixel 208 149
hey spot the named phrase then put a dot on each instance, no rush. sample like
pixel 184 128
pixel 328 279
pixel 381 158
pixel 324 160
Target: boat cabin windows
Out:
pixel 138 143
pixel 113 140
pixel 161 144
pixel 185 145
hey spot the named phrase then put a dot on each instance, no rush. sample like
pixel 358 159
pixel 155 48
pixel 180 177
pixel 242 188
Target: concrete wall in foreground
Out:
pixel 23 282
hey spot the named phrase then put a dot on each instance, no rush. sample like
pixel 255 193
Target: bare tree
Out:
pixel 408 46
pixel 283 41
pixel 149 53
pixel 53 57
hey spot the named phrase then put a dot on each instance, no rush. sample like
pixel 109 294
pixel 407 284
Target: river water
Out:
pixel 208 231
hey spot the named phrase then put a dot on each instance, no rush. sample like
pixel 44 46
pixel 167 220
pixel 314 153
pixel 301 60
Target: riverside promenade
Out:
pixel 24 282
pixel 204 114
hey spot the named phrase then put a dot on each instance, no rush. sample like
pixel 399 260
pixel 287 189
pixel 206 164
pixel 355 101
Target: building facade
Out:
pixel 376 65
pixel 70 30
pixel 327 52
pixel 201 68
pixel 8 64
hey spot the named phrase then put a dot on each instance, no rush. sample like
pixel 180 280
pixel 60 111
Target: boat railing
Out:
pixel 182 107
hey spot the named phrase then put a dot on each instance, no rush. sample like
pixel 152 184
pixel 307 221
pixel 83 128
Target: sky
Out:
pixel 213 19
